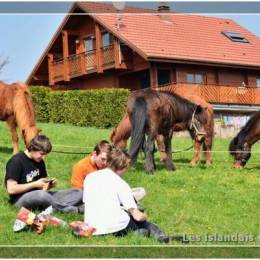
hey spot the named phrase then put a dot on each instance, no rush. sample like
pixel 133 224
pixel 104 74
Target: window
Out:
pixel 258 83
pixel 235 37
pixel 194 78
pixel 89 43
pixel 145 80
pixel 163 77
pixel 106 39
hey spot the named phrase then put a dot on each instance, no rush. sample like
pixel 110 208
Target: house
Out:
pixel 215 58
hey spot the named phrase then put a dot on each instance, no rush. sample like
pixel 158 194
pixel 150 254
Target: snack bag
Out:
pixel 51 220
pixel 80 228
pixel 26 216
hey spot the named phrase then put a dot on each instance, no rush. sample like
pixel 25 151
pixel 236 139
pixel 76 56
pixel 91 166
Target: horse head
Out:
pixel 197 124
pixel 241 151
pixel 29 133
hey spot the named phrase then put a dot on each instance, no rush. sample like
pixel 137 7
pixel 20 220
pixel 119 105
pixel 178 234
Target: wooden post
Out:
pixel 173 75
pixel 153 76
pixel 117 54
pixel 50 69
pixel 80 50
pixel 65 45
pixel 99 61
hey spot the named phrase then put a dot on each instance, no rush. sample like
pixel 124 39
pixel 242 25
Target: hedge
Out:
pixel 100 108
pixel 40 97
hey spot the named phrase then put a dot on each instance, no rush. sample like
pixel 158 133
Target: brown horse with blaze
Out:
pixel 16 108
pixel 122 132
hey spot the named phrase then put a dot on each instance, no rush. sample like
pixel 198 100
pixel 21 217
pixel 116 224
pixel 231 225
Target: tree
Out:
pixel 3 63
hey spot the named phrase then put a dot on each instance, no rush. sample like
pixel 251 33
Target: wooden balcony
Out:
pixel 81 64
pixel 218 94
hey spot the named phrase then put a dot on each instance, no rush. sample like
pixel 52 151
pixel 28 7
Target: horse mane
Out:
pixel 239 139
pixel 23 107
pixel 187 105
pixel 251 122
pixel 180 99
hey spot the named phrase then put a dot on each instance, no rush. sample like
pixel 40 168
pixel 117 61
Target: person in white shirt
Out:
pixel 104 194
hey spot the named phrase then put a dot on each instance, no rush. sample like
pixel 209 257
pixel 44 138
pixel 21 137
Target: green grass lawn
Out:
pixel 196 201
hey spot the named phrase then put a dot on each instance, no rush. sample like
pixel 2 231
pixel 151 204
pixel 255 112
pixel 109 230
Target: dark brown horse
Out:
pixel 16 109
pixel 122 132
pixel 156 113
pixel 240 146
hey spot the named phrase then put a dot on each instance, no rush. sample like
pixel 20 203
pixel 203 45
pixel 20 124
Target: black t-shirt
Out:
pixel 23 170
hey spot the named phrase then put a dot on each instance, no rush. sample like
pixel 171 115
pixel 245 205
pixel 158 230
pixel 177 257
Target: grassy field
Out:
pixel 203 203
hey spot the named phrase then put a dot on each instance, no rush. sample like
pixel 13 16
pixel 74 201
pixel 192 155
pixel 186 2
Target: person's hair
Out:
pixel 118 159
pixel 40 143
pixel 103 147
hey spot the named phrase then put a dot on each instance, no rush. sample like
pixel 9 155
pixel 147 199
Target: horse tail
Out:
pixel 138 120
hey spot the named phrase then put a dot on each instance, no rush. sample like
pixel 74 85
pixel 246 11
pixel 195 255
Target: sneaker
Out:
pixel 140 208
pixel 179 239
pixel 138 193
pixel 81 208
pixel 164 239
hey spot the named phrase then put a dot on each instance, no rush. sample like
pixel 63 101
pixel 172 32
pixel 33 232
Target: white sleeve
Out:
pixel 125 195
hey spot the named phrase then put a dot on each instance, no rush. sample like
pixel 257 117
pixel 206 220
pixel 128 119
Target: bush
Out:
pixel 40 97
pixel 99 108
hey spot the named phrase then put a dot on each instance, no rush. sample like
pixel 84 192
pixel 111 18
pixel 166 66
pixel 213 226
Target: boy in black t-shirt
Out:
pixel 27 183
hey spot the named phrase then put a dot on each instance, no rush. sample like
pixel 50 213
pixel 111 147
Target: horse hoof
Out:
pixel 171 168
pixel 193 164
pixel 208 163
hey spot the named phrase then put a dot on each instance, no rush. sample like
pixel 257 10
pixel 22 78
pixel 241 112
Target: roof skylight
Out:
pixel 235 37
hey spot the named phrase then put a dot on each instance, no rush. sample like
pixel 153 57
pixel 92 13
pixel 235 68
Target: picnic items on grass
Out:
pixel 82 229
pixel 38 222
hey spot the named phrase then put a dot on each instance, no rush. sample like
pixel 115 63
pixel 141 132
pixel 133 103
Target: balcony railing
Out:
pixel 83 63
pixel 218 94
pixel 58 70
pixel 108 55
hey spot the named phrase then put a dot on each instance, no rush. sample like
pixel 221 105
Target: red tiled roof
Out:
pixel 181 37
pixel 192 38
pixel 95 8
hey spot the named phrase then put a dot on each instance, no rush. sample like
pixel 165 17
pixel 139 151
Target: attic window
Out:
pixel 258 83
pixel 235 37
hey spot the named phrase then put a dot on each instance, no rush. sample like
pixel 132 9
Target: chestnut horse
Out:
pixel 156 113
pixel 122 132
pixel 240 146
pixel 16 109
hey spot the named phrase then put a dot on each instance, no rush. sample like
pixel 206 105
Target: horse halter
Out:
pixel 193 124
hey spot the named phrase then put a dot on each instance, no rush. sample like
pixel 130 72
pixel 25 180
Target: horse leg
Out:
pixel 168 150
pixel 149 154
pixel 196 153
pixel 161 147
pixel 12 127
pixel 207 148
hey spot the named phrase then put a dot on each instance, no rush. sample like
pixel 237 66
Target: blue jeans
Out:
pixel 63 200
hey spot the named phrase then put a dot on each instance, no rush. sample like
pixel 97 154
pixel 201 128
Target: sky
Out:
pixel 25 37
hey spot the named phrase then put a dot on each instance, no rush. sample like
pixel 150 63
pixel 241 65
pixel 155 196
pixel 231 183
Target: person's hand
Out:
pixel 42 184
pixel 53 182
pixel 38 227
pixel 137 214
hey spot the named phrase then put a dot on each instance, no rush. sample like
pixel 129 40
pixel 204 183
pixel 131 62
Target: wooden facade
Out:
pixel 86 55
